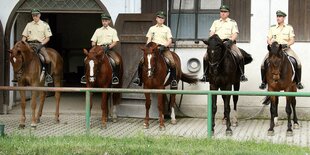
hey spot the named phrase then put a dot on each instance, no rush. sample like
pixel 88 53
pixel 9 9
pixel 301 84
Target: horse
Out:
pixel 99 74
pixel 224 73
pixel 27 69
pixel 154 71
pixel 279 76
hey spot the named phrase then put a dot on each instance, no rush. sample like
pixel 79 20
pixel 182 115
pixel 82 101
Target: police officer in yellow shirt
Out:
pixel 227 30
pixel 161 35
pixel 37 33
pixel 106 37
pixel 283 34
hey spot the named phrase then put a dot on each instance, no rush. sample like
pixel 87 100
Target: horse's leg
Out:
pixel 235 99
pixel 214 106
pixel 34 96
pixel 104 108
pixel 147 108
pixel 227 112
pixel 289 131
pixel 42 100
pixel 23 107
pixel 172 107
pixel 161 108
pixel 295 119
pixel 224 117
pixel 116 100
pixel 273 108
pixel 57 83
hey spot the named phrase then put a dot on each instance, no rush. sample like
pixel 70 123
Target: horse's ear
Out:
pixel 269 47
pixel 85 51
pixel 10 51
pixel 205 41
pixel 142 48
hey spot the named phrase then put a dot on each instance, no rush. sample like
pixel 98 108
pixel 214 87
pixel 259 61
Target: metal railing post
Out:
pixel 87 111
pixel 209 126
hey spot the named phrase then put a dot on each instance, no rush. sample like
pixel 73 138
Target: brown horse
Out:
pixel 27 69
pixel 99 74
pixel 154 72
pixel 279 77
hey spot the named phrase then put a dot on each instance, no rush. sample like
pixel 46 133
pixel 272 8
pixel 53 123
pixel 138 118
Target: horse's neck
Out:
pixel 29 56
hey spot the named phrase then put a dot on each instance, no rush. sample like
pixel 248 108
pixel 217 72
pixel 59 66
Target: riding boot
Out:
pixel 48 77
pixel 298 79
pixel 205 77
pixel 263 76
pixel 138 80
pixel 115 79
pixel 242 76
pixel 174 83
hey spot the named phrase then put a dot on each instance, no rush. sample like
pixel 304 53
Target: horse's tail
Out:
pixel 247 57
pixel 267 100
pixel 191 79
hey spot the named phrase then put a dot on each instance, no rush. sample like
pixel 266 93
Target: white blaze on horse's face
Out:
pixel 91 70
pixel 149 56
pixel 14 59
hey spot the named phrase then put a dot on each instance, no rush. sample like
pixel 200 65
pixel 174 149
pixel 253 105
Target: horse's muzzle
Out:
pixel 92 79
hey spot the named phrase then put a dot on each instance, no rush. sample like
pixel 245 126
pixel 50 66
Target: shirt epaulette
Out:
pixel 232 20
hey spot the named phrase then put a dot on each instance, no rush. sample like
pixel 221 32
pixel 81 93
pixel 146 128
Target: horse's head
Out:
pixel 92 61
pixel 216 52
pixel 276 57
pixel 18 55
pixel 150 54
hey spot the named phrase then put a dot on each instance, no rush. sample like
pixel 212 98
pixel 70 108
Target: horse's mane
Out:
pixel 275 48
pixel 215 37
pixel 151 44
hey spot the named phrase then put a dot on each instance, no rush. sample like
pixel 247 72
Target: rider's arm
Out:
pixel 169 41
pixel 234 36
pixel 269 41
pixel 149 39
pixel 24 38
pixel 114 43
pixel 45 41
pixel 291 42
pixel 212 33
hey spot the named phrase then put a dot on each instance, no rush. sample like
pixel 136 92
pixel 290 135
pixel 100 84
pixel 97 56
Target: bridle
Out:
pixel 216 64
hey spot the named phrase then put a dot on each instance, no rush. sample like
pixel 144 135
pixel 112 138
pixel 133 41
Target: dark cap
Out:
pixel 280 13
pixel 105 16
pixel 35 11
pixel 161 14
pixel 224 8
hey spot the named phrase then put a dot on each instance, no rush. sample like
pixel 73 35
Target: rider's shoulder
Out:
pixel 273 25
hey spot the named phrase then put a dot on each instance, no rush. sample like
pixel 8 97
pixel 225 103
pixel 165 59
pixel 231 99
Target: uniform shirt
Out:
pixel 159 34
pixel 281 34
pixel 104 36
pixel 224 28
pixel 37 31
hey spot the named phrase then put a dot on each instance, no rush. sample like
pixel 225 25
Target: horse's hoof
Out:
pixel 162 128
pixel 114 120
pixel 296 126
pixel 224 122
pixel 103 126
pixel 174 121
pixel 21 126
pixel 289 133
pixel 234 124
pixel 271 133
pixel 229 133
pixel 38 120
pixel 33 126
pixel 145 126
pixel 57 121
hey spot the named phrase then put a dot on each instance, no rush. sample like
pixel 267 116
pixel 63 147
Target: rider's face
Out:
pixel 280 19
pixel 224 14
pixel 160 20
pixel 105 22
pixel 36 17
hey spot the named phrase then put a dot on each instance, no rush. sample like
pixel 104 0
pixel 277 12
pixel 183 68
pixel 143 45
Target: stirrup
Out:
pixel 243 78
pixel 299 85
pixel 262 86
pixel 83 80
pixel 48 78
pixel 137 82
pixel 115 80
pixel 14 81
pixel 174 84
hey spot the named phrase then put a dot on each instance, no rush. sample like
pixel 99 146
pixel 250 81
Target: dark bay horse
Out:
pixel 280 77
pixel 99 74
pixel 154 73
pixel 224 74
pixel 27 69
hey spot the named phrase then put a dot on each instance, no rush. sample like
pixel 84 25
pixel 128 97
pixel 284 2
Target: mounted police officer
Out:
pixel 37 33
pixel 161 35
pixel 227 30
pixel 106 37
pixel 283 34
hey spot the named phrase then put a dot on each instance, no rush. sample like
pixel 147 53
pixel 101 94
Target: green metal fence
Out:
pixel 157 91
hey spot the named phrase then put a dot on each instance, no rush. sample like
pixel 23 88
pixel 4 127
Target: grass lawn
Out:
pixel 140 144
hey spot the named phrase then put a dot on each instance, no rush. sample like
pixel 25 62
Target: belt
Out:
pixel 34 41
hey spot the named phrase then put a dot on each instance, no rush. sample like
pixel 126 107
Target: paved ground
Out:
pixel 73 123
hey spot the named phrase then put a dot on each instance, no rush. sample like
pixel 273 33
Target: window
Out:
pixel 299 12
pixel 197 16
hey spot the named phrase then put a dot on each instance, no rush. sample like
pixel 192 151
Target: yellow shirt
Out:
pixel 37 31
pixel 159 34
pixel 105 36
pixel 281 34
pixel 224 28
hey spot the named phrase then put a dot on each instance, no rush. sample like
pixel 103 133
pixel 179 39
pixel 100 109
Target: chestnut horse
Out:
pixel 27 69
pixel 279 77
pixel 224 74
pixel 154 72
pixel 99 74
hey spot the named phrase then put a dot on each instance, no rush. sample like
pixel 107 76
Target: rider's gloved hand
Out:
pixel 162 48
pixel 106 48
pixel 284 46
pixel 228 43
